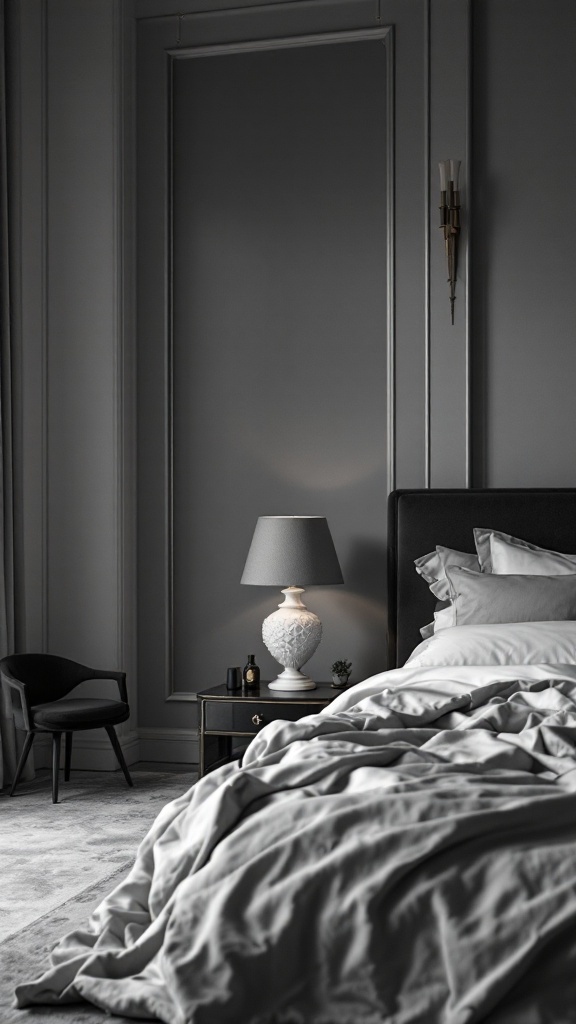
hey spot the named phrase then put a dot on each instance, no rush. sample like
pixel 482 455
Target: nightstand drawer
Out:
pixel 237 717
pixel 255 716
pixel 223 715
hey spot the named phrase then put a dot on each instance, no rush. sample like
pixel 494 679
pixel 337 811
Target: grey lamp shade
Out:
pixel 292 551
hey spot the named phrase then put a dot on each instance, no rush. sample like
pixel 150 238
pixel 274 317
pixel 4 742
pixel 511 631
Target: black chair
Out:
pixel 43 682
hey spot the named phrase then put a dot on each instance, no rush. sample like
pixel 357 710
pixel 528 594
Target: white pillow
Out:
pixel 518 643
pixel 502 554
pixel 444 617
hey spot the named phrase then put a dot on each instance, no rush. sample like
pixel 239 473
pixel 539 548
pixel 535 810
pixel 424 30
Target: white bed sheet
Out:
pixel 516 643
pixel 450 678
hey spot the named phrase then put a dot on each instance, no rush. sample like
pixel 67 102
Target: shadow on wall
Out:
pixel 367 601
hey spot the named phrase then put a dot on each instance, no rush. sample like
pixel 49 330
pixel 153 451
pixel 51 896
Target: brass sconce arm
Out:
pixel 450 221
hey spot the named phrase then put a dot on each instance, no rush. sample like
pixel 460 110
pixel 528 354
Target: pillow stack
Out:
pixel 540 585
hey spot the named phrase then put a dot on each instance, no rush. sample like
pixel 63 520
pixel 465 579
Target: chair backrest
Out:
pixel 47 676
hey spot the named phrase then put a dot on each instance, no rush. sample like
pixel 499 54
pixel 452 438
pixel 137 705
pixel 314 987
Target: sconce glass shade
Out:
pixel 444 171
pixel 288 551
pixel 449 172
pixel 455 173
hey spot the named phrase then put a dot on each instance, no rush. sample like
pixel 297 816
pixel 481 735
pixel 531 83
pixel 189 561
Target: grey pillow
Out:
pixel 479 597
pixel 432 568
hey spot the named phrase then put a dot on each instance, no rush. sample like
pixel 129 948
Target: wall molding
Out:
pixel 427 249
pixel 467 258
pixel 385 34
pixel 31 52
pixel 42 626
pixel 448 347
pixel 194 29
pixel 93 751
pixel 125 327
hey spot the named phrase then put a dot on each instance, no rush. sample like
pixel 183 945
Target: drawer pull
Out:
pixel 257 719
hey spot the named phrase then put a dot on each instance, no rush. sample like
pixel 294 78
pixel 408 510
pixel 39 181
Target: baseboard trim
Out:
pixel 91 751
pixel 178 745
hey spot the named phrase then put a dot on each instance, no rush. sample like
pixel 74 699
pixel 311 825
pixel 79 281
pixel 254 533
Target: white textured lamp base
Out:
pixel 292 679
pixel 292 634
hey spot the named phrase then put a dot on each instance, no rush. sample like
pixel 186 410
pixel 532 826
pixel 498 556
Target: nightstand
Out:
pixel 225 714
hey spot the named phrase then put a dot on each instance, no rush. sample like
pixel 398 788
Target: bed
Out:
pixel 407 855
pixel 418 520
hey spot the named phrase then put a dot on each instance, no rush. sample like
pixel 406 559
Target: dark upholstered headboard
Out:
pixel 419 520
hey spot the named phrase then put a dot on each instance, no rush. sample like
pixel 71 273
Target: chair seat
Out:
pixel 79 713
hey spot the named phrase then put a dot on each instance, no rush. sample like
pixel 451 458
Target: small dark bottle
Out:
pixel 251 673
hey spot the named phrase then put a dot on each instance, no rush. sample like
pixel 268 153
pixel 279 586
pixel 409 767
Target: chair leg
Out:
pixel 56 737
pixel 118 751
pixel 67 755
pixel 23 757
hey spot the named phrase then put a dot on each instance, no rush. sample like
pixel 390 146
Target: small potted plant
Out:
pixel 341 672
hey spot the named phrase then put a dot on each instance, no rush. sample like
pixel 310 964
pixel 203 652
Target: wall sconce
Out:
pixel 450 220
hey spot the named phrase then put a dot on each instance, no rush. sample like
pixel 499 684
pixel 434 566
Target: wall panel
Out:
pixel 77 513
pixel 524 251
pixel 280 298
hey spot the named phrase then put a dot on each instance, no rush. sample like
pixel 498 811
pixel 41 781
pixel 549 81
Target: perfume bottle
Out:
pixel 251 673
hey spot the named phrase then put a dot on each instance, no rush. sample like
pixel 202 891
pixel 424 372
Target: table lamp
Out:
pixel 292 552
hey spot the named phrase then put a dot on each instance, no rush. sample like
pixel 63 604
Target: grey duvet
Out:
pixel 408 855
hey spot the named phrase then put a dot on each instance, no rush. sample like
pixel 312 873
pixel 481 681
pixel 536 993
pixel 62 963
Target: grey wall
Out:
pixel 279 345
pixel 487 401
pixel 524 242
pixel 75 411
pixel 279 348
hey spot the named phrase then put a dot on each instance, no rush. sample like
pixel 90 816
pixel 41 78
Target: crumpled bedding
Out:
pixel 407 856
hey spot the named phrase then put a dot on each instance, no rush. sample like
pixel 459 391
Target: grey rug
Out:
pixel 57 862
